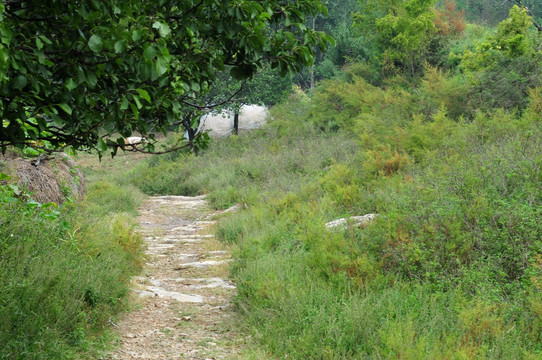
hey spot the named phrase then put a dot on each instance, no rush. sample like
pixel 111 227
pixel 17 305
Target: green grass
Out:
pixel 64 276
pixel 247 169
pixel 450 269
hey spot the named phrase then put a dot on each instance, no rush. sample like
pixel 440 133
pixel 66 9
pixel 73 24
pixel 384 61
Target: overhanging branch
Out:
pixel 204 107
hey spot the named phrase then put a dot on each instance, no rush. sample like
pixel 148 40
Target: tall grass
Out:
pixel 249 168
pixel 64 274
pixel 450 269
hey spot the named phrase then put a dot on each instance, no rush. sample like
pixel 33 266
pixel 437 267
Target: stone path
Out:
pixel 185 309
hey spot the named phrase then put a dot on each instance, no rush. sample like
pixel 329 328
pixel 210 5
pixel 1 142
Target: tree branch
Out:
pixel 204 107
pixel 179 17
pixel 176 147
pixel 12 13
pixel 529 12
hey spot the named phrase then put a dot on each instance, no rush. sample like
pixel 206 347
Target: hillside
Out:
pixel 423 116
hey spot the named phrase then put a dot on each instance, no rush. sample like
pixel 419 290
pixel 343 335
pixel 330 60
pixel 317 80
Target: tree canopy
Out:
pixel 400 30
pixel 505 66
pixel 87 74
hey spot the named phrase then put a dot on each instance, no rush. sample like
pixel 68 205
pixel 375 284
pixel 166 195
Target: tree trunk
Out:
pixel 236 122
pixel 312 67
pixel 536 25
pixel 187 122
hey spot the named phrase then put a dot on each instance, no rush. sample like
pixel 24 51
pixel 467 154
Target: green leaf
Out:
pixel 39 44
pixel 45 40
pixel 67 109
pixel 135 111
pixel 70 84
pixel 20 82
pixel 32 204
pixel 144 94
pixel 42 123
pixel 4 176
pixel 137 34
pixel 241 72
pixel 163 29
pixel 80 76
pixel 136 100
pixel 49 205
pixel 290 37
pixel 171 118
pixel 102 146
pixel 176 106
pixel 119 46
pixel 91 79
pixel 287 21
pixel 124 104
pixel 161 66
pixel 149 53
pixel 95 43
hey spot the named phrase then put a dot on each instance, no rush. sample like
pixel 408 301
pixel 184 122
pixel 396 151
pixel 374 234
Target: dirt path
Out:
pixel 185 310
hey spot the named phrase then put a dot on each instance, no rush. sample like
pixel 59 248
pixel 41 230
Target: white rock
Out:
pixel 355 221
pixel 133 140
pixel 202 264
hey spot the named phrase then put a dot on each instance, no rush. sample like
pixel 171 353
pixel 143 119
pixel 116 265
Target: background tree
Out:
pixel 76 73
pixel 504 67
pixel 491 12
pixel 400 32
pixel 265 88
pixel 348 45
pixel 450 25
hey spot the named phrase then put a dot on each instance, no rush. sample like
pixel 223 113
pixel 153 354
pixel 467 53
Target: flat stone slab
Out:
pixel 172 198
pixel 174 295
pixel 201 264
pixel 211 283
pixel 179 239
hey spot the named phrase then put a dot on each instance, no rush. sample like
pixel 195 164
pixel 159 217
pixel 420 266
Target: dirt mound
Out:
pixel 54 179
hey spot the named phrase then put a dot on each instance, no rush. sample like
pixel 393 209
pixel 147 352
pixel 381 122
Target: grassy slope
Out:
pixel 450 268
pixel 63 279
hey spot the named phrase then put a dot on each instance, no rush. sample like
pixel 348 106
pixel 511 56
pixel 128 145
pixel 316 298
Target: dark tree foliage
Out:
pixel 86 74
pixel 491 12
pixel 348 44
pixel 505 66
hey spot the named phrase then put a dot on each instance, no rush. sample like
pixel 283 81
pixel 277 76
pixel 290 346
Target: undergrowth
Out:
pixel 64 271
pixel 450 269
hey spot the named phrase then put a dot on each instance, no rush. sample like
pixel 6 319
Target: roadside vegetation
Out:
pixel 450 161
pixel 65 269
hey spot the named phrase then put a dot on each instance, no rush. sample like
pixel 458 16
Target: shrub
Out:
pixel 504 67
pixel 438 90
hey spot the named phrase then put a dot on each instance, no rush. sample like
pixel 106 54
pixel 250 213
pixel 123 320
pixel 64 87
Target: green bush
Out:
pixel 506 65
